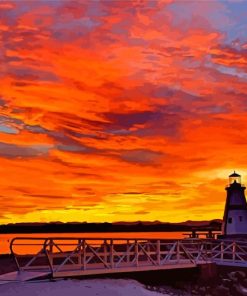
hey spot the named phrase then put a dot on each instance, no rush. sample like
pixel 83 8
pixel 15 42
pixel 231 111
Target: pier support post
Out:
pixel 208 271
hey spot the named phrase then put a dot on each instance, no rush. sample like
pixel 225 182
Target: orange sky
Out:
pixel 121 110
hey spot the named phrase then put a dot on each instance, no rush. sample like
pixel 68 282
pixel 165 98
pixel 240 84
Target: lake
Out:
pixel 5 239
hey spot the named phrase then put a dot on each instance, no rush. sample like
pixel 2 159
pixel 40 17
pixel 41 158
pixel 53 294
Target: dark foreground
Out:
pixel 220 281
pixel 139 226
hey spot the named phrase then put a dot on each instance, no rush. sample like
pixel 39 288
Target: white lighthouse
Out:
pixel 235 215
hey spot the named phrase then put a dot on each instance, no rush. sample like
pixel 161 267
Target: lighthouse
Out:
pixel 235 215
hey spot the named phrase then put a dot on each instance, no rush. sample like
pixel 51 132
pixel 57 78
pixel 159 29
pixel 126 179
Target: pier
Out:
pixel 198 233
pixel 71 257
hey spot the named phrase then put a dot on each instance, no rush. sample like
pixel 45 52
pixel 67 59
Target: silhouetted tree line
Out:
pixel 105 227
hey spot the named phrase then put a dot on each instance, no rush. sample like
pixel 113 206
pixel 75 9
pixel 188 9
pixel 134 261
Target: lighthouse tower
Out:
pixel 235 215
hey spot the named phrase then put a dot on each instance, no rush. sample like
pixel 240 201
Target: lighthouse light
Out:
pixel 234 178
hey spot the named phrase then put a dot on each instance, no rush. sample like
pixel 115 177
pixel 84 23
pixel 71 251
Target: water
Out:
pixel 37 244
pixel 5 239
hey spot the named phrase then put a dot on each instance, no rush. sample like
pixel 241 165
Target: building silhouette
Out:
pixel 235 214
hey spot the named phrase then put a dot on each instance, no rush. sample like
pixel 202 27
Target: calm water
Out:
pixel 5 239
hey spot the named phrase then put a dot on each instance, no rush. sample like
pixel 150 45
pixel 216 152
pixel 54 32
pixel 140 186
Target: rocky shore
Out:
pixel 226 283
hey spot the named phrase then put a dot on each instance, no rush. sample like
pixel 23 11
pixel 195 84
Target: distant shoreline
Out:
pixel 214 225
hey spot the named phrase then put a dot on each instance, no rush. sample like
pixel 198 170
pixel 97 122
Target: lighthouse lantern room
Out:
pixel 235 215
pixel 234 177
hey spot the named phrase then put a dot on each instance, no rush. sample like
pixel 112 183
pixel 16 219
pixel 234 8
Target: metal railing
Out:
pixel 79 256
pixel 29 253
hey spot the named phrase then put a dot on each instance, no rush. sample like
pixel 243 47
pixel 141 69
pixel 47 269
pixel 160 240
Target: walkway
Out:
pixel 68 257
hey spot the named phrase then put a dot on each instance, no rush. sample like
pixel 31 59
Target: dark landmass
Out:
pixel 139 226
pixel 227 281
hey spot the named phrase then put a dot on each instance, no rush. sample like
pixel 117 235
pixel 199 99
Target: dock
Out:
pixel 73 257
pixel 208 234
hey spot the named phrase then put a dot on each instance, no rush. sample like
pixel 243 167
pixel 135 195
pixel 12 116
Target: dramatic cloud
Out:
pixel 115 110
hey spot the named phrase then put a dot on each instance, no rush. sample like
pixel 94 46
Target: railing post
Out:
pixel 222 251
pixel 128 252
pixel 211 250
pixel 148 247
pixel 51 252
pixel 136 252
pixel 206 248
pixel 46 252
pixel 51 246
pixel 105 250
pixel 234 251
pixel 158 252
pixel 79 252
pixel 84 258
pixel 111 254
pixel 178 251
pixel 13 254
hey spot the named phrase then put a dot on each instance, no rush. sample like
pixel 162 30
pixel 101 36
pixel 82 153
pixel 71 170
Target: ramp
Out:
pixel 69 257
pixel 22 276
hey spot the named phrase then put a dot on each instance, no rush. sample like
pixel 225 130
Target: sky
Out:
pixel 121 110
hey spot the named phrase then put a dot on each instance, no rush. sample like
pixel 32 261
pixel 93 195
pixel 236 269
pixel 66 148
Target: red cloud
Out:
pixel 100 100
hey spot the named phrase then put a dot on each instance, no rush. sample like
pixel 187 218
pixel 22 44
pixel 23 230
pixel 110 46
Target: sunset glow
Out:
pixel 121 110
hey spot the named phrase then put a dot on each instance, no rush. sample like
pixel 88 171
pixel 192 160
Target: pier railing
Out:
pixel 82 256
pixel 228 252
pixel 29 253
